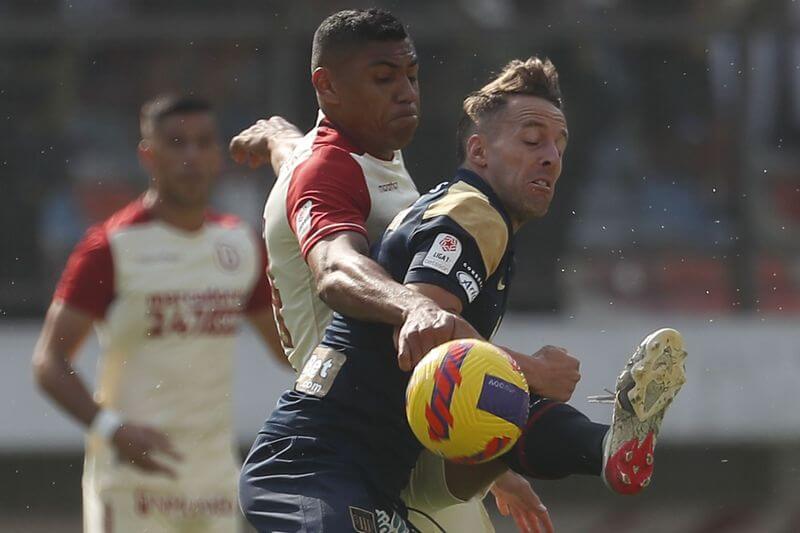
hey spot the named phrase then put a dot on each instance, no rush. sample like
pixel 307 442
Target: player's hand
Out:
pixel 255 145
pixel 137 445
pixel 515 496
pixel 554 373
pixel 426 327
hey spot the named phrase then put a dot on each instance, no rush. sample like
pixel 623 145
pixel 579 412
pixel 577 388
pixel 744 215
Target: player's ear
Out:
pixel 145 153
pixel 323 84
pixel 476 150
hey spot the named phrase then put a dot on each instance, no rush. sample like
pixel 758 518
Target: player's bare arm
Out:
pixel 267 141
pixel 64 331
pixel 355 285
pixel 264 324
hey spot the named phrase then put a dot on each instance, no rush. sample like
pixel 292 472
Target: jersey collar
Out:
pixel 467 176
pixel 329 133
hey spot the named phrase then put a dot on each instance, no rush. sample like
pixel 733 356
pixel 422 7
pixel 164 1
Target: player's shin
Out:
pixel 557 441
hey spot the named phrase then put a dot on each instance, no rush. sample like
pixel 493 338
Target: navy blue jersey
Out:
pixel 457 237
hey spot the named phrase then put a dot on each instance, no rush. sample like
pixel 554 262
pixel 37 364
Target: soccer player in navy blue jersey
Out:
pixel 337 450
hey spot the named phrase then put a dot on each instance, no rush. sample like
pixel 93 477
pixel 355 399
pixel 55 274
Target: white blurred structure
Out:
pixel 741 387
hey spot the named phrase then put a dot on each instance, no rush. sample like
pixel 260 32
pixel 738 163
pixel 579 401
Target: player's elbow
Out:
pixel 41 370
pixel 45 371
pixel 329 282
pixel 332 280
pixel 337 266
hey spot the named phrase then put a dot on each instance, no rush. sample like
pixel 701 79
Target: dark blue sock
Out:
pixel 557 441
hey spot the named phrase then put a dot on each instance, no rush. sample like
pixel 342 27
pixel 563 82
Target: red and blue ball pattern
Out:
pixel 467 401
pixel 446 378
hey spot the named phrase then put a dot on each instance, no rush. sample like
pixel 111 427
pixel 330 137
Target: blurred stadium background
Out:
pixel 679 206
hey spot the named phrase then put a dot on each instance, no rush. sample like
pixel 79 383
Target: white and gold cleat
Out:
pixel 645 389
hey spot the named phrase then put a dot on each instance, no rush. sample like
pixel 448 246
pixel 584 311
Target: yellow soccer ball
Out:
pixel 467 401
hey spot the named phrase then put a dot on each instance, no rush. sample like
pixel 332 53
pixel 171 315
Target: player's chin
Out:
pixel 538 209
pixel 403 132
pixel 195 197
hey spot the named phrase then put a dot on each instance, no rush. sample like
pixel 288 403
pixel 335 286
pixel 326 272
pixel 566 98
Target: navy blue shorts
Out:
pixel 300 483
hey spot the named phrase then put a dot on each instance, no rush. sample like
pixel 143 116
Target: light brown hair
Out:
pixel 533 76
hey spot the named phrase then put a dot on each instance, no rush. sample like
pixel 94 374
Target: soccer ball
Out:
pixel 467 401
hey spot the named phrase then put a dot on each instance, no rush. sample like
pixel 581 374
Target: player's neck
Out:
pixel 382 154
pixel 362 142
pixel 183 218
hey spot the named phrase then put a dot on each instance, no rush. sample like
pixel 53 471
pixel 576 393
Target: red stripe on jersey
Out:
pixel 87 282
pixel 223 219
pixel 328 192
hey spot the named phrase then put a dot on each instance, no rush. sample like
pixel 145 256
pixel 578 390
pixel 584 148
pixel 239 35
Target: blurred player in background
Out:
pixel 341 186
pixel 317 465
pixel 166 282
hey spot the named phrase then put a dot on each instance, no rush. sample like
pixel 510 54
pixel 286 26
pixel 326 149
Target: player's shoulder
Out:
pixel 328 171
pixel 331 155
pixel 471 210
pixel 233 229
pixel 329 161
pixel 133 214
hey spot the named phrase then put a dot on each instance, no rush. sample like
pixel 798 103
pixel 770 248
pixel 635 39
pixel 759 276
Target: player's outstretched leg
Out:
pixel 558 440
pixel 644 391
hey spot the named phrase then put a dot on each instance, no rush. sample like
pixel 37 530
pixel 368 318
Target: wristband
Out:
pixel 105 424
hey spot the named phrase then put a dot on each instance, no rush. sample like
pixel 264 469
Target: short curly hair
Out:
pixel 533 76
pixel 353 27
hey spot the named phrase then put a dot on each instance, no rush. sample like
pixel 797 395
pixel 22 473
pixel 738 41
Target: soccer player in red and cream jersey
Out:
pixel 338 188
pixel 166 283
pixel 329 186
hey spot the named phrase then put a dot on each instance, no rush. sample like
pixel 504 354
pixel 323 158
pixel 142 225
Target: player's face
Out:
pixel 525 144
pixel 379 94
pixel 184 158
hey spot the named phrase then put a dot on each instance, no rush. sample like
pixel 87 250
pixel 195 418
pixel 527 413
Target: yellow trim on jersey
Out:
pixel 470 208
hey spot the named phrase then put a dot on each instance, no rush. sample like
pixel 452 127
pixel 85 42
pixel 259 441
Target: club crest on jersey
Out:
pixel 302 220
pixel 469 284
pixel 443 254
pixel 227 257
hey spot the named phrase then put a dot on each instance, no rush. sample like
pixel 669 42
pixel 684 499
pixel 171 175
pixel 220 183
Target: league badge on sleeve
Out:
pixel 302 221
pixel 443 254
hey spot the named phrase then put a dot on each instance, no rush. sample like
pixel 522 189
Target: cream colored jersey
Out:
pixel 327 186
pixel 167 305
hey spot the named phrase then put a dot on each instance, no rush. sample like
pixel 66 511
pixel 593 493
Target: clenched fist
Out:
pixel 552 372
pixel 266 141
pixel 558 373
